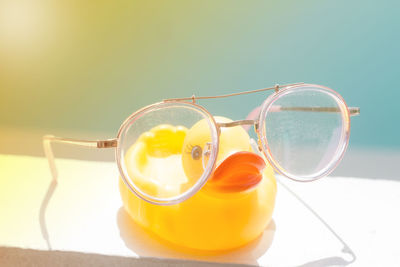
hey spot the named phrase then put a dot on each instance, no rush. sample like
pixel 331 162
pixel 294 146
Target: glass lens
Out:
pixel 306 131
pixel 167 151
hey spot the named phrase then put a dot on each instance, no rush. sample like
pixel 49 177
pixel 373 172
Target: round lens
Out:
pixel 305 131
pixel 167 151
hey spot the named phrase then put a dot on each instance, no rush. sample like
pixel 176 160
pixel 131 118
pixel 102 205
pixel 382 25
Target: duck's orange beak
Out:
pixel 238 172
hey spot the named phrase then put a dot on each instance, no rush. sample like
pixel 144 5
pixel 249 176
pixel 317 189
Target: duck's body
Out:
pixel 216 217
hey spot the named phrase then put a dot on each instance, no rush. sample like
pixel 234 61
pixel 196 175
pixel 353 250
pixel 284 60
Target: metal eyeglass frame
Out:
pixel 255 119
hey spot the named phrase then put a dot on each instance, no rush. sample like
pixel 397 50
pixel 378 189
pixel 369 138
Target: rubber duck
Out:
pixel 234 206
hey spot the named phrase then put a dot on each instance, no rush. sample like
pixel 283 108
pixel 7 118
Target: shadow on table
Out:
pixel 147 244
pixel 330 261
pixel 348 256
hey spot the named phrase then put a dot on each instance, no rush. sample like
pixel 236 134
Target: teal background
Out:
pixel 102 61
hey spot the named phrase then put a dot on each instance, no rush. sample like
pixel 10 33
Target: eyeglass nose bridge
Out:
pixel 238 123
pixel 255 123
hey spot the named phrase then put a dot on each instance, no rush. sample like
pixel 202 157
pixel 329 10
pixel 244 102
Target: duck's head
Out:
pixel 238 168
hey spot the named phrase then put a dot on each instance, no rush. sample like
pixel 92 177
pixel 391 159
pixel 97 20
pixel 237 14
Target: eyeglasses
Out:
pixel 167 151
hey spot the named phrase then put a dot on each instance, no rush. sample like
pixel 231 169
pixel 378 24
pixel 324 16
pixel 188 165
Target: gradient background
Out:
pixel 84 66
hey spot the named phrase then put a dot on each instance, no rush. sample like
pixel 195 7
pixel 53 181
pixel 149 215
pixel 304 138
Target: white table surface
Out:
pixel 85 215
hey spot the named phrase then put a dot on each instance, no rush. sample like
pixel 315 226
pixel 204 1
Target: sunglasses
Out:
pixel 167 151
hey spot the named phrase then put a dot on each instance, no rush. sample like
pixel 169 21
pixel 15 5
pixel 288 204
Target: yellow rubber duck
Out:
pixel 232 208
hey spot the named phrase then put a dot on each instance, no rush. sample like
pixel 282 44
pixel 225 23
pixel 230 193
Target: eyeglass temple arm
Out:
pixel 353 111
pixel 48 151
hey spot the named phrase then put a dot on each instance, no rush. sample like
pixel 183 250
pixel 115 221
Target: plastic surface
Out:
pixel 232 209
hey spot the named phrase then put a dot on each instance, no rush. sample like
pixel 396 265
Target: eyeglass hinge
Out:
pixel 258 143
pixel 107 143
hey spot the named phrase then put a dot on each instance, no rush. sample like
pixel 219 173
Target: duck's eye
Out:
pixel 196 152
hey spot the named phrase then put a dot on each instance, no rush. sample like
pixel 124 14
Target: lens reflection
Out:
pixel 162 150
pixel 305 132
